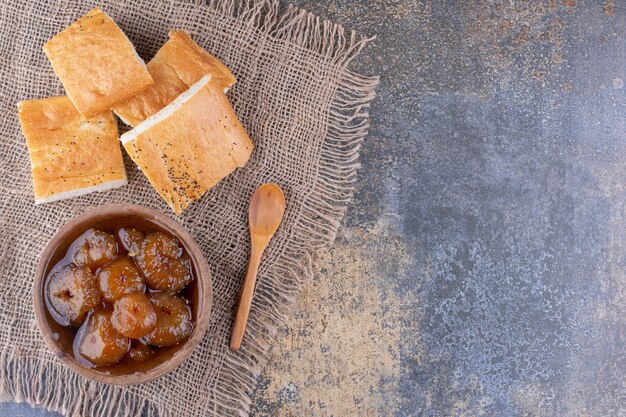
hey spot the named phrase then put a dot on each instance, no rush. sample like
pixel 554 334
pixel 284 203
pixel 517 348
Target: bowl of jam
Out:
pixel 122 294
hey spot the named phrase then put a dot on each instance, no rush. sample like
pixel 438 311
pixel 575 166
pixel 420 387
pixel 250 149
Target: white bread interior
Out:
pixel 105 186
pixel 166 111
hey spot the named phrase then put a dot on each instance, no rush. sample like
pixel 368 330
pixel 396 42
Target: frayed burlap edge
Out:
pixel 23 379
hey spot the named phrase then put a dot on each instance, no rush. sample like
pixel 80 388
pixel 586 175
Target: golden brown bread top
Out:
pixel 176 66
pixel 190 145
pixel 96 63
pixel 70 155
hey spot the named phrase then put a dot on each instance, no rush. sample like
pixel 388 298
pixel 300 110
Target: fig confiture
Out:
pixel 124 293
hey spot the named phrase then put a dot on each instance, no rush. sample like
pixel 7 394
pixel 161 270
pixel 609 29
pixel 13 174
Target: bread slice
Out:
pixel 177 66
pixel 189 145
pixel 96 63
pixel 70 156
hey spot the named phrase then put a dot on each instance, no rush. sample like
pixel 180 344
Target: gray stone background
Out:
pixel 481 268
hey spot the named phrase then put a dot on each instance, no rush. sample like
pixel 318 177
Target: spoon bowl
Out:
pixel 267 208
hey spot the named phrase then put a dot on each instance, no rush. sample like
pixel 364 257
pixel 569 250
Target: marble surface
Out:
pixel 481 268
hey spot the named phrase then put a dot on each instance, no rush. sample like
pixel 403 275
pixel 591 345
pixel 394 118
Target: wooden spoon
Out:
pixel 267 207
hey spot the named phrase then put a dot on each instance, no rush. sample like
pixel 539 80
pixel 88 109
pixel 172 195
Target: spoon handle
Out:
pixel 243 311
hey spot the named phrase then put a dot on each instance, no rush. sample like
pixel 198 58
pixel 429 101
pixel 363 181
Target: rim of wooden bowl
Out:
pixel 205 302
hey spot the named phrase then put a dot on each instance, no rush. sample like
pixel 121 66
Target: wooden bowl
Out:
pixel 57 337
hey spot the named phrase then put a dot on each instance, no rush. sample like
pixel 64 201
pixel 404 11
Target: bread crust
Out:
pixel 190 145
pixel 96 63
pixel 179 64
pixel 69 155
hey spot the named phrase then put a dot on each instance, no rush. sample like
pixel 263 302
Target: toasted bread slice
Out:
pixel 177 66
pixel 189 145
pixel 70 156
pixel 96 63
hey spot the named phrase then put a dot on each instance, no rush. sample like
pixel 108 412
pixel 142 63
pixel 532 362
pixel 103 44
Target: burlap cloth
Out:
pixel 307 115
